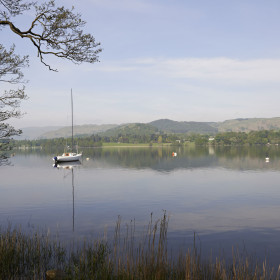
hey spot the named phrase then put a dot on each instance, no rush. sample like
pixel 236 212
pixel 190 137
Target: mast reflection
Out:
pixel 70 166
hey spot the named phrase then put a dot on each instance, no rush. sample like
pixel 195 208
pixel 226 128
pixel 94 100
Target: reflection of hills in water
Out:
pixel 157 159
pixel 160 159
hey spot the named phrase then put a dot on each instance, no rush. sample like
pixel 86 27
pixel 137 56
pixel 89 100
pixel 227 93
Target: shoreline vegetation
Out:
pixel 263 137
pixel 127 256
pixel 109 145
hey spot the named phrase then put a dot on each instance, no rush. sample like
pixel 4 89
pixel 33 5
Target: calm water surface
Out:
pixel 228 197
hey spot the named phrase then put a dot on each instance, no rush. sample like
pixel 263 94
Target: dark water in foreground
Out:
pixel 227 196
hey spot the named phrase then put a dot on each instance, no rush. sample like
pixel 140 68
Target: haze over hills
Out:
pixel 246 125
pixel 154 127
pixel 79 130
pixel 34 132
pixel 31 133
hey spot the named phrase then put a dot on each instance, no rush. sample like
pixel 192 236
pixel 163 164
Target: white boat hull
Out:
pixel 66 157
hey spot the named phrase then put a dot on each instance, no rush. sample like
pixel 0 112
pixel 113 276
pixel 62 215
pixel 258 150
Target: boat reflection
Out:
pixel 70 166
pixel 67 165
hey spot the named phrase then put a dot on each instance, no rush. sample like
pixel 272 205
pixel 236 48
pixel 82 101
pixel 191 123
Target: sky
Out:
pixel 185 60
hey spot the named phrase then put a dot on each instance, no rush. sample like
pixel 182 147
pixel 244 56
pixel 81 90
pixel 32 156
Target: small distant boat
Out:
pixel 69 156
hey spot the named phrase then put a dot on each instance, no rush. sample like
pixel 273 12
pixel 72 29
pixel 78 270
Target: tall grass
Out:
pixel 128 256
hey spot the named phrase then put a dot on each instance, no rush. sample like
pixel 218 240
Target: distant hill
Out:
pixel 246 125
pixel 131 129
pixel 30 133
pixel 170 126
pixel 162 125
pixel 79 130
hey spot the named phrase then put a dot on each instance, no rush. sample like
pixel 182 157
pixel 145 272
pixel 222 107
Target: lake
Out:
pixel 226 196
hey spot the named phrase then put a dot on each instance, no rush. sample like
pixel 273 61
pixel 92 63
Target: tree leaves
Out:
pixel 10 72
pixel 10 66
pixel 13 8
pixel 57 31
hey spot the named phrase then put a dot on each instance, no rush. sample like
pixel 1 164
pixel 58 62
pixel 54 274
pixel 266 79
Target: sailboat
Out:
pixel 69 156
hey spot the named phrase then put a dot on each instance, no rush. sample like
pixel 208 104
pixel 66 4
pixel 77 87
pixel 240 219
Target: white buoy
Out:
pixel 267 159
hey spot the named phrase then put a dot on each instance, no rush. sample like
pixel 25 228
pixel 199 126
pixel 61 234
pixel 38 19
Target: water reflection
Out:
pixel 225 194
pixel 161 159
pixel 4 158
pixel 70 166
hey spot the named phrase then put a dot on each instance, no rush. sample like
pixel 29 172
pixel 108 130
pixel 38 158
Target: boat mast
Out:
pixel 72 119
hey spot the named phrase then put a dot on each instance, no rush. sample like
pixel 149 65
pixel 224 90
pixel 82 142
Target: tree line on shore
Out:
pixel 263 137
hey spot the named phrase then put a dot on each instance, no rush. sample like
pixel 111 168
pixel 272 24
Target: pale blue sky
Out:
pixel 182 60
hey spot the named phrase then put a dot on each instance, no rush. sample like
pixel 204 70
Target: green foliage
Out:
pixel 170 126
pixel 252 138
pixel 231 138
pixel 136 129
pixel 128 256
pixel 143 134
pixel 201 140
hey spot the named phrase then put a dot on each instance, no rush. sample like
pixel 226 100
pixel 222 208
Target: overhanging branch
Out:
pixel 58 32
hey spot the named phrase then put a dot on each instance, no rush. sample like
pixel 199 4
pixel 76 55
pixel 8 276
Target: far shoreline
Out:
pixel 126 145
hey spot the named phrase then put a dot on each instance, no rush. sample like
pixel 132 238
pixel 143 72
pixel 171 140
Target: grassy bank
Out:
pixel 126 257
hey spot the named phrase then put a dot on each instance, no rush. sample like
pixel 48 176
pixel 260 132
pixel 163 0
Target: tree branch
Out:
pixel 58 32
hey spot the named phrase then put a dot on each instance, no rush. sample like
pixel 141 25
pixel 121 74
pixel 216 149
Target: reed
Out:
pixel 130 255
